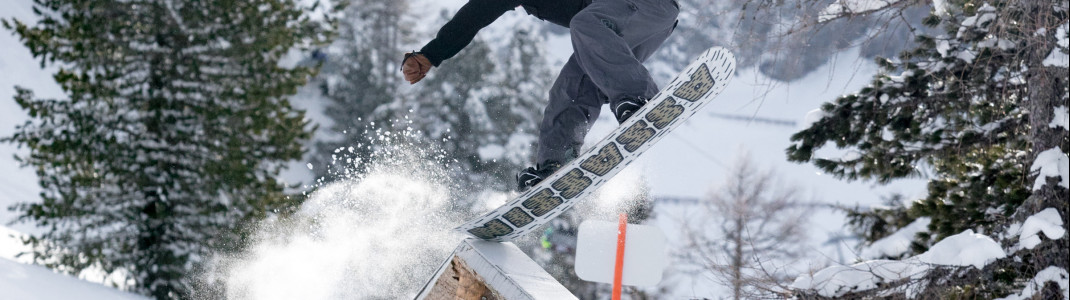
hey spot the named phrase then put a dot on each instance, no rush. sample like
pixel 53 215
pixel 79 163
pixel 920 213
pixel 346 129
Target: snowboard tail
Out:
pixel 692 89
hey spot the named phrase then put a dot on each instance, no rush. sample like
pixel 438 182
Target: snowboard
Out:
pixel 692 89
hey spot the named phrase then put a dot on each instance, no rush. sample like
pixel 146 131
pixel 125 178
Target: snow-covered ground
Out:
pixel 23 281
pixel 31 282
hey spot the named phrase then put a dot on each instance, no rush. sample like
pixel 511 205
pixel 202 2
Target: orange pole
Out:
pixel 618 272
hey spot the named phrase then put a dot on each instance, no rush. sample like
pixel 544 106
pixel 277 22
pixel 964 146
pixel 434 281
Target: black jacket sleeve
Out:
pixel 459 31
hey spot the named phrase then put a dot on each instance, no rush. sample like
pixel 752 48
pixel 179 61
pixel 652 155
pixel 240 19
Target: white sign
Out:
pixel 645 254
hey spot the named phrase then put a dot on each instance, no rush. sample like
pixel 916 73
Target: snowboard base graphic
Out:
pixel 692 89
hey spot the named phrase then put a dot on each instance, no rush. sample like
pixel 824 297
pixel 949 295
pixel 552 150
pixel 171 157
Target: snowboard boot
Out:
pixel 533 175
pixel 626 107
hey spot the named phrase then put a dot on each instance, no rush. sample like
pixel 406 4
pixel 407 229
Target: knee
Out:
pixel 582 20
pixel 590 23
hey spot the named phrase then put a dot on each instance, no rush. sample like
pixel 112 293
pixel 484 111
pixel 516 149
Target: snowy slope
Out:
pixel 19 280
pixel 30 282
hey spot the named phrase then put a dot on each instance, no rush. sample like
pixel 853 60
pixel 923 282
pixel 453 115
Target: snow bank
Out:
pixel 21 280
pixel 1057 58
pixel 30 282
pixel 963 249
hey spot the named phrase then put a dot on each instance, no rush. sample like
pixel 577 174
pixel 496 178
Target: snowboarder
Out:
pixel 610 40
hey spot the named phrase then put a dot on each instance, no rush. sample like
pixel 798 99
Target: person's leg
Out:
pixel 573 106
pixel 624 107
pixel 645 49
pixel 607 37
pixel 616 36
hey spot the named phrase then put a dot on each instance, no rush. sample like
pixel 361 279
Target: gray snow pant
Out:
pixel 610 40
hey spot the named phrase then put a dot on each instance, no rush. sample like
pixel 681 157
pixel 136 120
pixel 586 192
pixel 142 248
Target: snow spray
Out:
pixel 619 194
pixel 379 235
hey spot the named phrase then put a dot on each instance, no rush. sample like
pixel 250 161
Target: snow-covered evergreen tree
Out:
pixel 983 106
pixel 175 128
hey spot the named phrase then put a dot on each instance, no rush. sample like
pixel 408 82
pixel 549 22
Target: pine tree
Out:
pixel 175 128
pixel 976 105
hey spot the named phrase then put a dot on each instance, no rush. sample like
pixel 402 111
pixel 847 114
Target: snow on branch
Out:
pixel 1059 56
pixel 1051 274
pixel 842 8
pixel 837 281
pixel 1047 221
pixel 963 249
pixel 1051 163
pixel 898 243
pixel 1060 118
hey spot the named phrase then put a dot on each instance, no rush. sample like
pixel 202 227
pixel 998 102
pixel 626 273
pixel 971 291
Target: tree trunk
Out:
pixel 737 260
pixel 1046 88
pixel 1046 85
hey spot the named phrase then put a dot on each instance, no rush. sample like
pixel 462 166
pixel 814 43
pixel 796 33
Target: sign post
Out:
pixel 622 234
pixel 620 254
